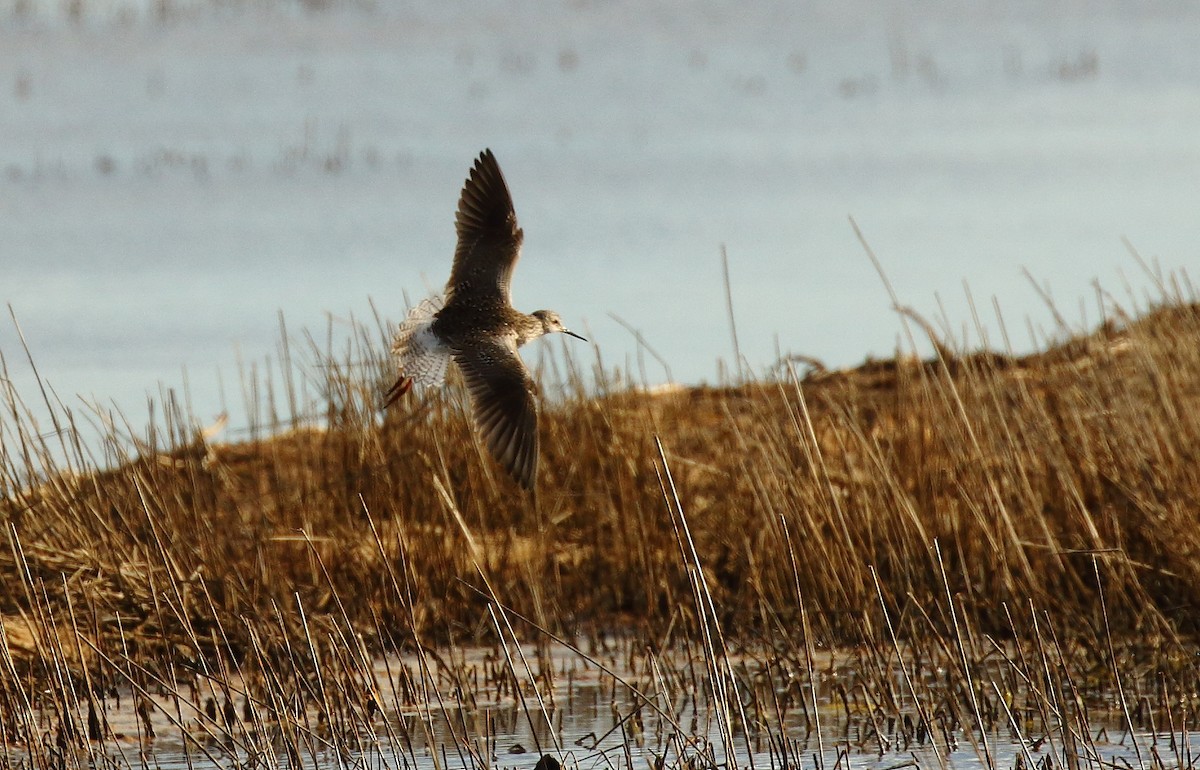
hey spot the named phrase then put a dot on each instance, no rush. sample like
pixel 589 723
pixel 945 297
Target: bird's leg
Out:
pixel 397 391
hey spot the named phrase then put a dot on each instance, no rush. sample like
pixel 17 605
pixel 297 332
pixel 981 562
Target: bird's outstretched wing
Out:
pixel 489 240
pixel 503 403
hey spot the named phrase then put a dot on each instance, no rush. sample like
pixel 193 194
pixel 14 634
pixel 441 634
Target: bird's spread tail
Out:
pixel 420 356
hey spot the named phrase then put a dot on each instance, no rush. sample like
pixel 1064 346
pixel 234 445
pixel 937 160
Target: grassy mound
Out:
pixel 1048 482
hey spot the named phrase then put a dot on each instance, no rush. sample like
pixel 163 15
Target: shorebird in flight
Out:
pixel 475 326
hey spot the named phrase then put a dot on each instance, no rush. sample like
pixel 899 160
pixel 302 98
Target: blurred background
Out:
pixel 176 174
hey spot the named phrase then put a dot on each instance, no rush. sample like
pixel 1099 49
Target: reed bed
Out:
pixel 907 553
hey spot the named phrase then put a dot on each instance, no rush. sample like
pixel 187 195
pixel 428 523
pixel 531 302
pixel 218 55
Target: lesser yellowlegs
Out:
pixel 475 326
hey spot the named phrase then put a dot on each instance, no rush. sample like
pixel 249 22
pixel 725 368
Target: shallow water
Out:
pixel 593 719
pixel 170 179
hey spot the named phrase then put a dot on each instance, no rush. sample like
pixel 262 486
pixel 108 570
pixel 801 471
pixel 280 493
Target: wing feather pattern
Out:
pixel 489 240
pixel 504 407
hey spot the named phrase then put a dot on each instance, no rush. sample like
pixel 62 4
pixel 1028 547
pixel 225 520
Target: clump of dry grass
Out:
pixel 928 511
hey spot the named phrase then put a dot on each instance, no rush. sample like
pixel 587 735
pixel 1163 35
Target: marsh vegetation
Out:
pixel 898 560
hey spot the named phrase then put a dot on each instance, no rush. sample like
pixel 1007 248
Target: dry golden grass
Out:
pixel 1031 474
pixel 1057 488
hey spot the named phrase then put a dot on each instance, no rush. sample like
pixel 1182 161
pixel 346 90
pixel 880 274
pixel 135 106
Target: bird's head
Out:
pixel 552 323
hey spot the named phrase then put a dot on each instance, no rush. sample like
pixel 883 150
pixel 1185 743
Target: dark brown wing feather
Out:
pixel 504 406
pixel 489 240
